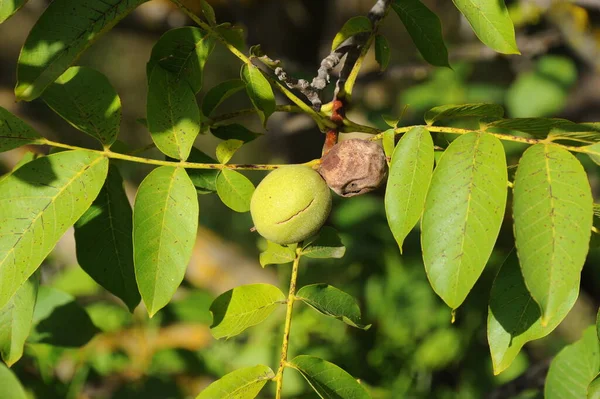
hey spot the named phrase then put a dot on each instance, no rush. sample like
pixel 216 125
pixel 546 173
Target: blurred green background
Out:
pixel 412 350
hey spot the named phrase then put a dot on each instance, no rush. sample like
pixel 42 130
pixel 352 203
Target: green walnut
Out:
pixel 290 204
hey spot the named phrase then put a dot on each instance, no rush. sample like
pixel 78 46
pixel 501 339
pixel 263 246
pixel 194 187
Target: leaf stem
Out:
pixel 288 324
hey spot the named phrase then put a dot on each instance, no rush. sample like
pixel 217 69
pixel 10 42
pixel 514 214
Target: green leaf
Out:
pixel 59 321
pixel 209 12
pixel 552 213
pixel 64 31
pixel 491 23
pixel 9 8
pixel 463 214
pixel 539 127
pixel 235 190
pixel 259 90
pixel 389 141
pixel 276 254
pixel 463 111
pixel 227 148
pixel 593 390
pixel 205 180
pixel 233 35
pixel 15 320
pixel 15 133
pixel 425 29
pixel 38 203
pixel 234 131
pixel 328 380
pixel 352 27
pixel 183 52
pixel 513 316
pixel 85 98
pixel 219 93
pixel 103 241
pixel 173 114
pixel 408 180
pixel 165 222
pixel 326 244
pixel 382 52
pixel 10 387
pixel 593 151
pixel 244 383
pixel 574 368
pixel 333 302
pixel 242 307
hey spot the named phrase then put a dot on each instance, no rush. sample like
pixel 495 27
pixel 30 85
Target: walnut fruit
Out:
pixel 353 167
pixel 290 204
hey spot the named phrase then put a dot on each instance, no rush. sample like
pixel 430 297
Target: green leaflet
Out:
pixel 183 52
pixel 425 29
pixel 259 90
pixel 242 307
pixel 64 31
pixel 85 98
pixel 56 311
pixel 165 222
pixel 463 111
pixel 10 387
pixel 276 254
pixel 235 190
pixel 326 244
pixel 219 93
pixel 103 241
pixel 9 8
pixel 173 114
pixel 244 383
pixel 15 133
pixel 353 26
pixel 234 131
pixel 15 320
pixel 38 203
pixel 514 318
pixel 409 176
pixel 463 214
pixel 491 23
pixel 552 213
pixel 226 149
pixel 332 302
pixel 382 52
pixel 327 379
pixel 574 368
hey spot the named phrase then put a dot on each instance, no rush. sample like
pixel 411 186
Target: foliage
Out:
pixel 449 172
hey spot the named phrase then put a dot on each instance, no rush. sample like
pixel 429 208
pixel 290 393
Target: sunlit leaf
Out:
pixel 38 203
pixel 219 93
pixel 10 387
pixel 463 111
pixel 552 212
pixel 235 190
pixel 352 27
pixel 85 98
pixel 8 8
pixel 327 379
pixel 491 23
pixel 326 244
pixel 165 222
pixel 276 254
pixel 425 29
pixel 593 390
pixel 64 31
pixel 513 316
pixel 332 302
pixel 15 320
pixel 173 114
pixel 259 90
pixel 227 148
pixel 242 307
pixel 463 214
pixel 574 368
pixel 408 180
pixel 15 133
pixel 103 237
pixel 389 142
pixel 183 52
pixel 244 383
pixel 55 315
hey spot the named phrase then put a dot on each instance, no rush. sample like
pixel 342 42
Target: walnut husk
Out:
pixel 353 167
